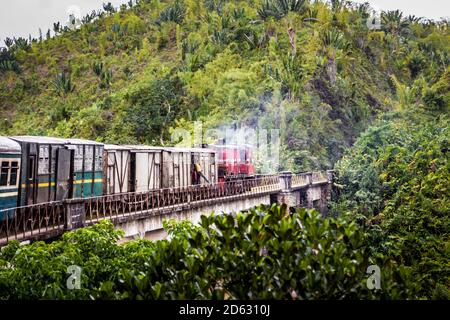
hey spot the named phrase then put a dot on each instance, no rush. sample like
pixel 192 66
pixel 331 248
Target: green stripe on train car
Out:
pixel 10 156
pixel 83 187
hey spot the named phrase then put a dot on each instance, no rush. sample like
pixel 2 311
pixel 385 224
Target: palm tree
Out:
pixel 280 8
pixel 413 19
pixel 108 7
pixel 56 27
pixel 338 5
pixel 394 23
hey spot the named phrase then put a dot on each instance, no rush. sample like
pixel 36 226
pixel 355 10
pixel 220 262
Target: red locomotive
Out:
pixel 234 162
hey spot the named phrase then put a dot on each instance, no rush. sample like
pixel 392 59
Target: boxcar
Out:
pixel 87 167
pixel 10 161
pixel 45 170
pixel 132 168
pixel 56 169
pixel 177 168
pixel 145 168
pixel 207 159
pixel 116 169
pixel 142 168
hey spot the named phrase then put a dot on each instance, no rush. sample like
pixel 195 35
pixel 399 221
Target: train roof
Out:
pixel 143 148
pixel 83 142
pixel 38 139
pixel 199 150
pixel 9 146
pixel 115 147
pixel 51 140
pixel 153 148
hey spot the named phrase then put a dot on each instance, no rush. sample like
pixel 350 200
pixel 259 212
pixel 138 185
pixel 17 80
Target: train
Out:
pixel 38 169
pixel 234 161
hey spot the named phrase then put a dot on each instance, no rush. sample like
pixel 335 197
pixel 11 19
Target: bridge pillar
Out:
pixel 75 214
pixel 286 181
pixel 286 196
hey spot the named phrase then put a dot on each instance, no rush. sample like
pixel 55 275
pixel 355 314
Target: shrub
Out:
pixel 175 13
pixel 266 253
pixel 63 84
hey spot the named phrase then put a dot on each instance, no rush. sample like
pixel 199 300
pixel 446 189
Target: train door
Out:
pixel 157 170
pixel 31 180
pixel 142 171
pixel 154 181
pixel 63 174
pixel 111 179
pixel 108 176
pixel 132 174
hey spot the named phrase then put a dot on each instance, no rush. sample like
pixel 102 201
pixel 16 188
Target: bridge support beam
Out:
pixel 310 196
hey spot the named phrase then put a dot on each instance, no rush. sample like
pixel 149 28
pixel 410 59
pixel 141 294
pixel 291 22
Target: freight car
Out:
pixel 42 169
pixel 132 168
pixel 56 169
pixel 143 168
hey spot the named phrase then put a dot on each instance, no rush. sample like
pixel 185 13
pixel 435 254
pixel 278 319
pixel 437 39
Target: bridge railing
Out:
pixel 304 179
pixel 23 223
pixel 41 220
pixel 319 176
pixel 155 201
pixel 301 179
pixel 28 222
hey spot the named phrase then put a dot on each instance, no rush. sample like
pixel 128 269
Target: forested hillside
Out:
pixel 313 70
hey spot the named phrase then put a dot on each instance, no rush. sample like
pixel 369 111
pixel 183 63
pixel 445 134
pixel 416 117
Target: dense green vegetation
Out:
pixel 265 253
pixel 314 71
pixel 396 178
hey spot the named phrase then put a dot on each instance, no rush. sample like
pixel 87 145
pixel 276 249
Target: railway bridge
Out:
pixel 141 214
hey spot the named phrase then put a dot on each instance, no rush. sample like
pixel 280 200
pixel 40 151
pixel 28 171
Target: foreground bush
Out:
pixel 263 254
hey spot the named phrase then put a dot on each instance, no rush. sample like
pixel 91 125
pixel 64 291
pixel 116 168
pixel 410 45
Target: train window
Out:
pixel 78 165
pixel 98 159
pixel 53 160
pixel 30 172
pixel 4 174
pixel 43 167
pixel 89 158
pixel 13 174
